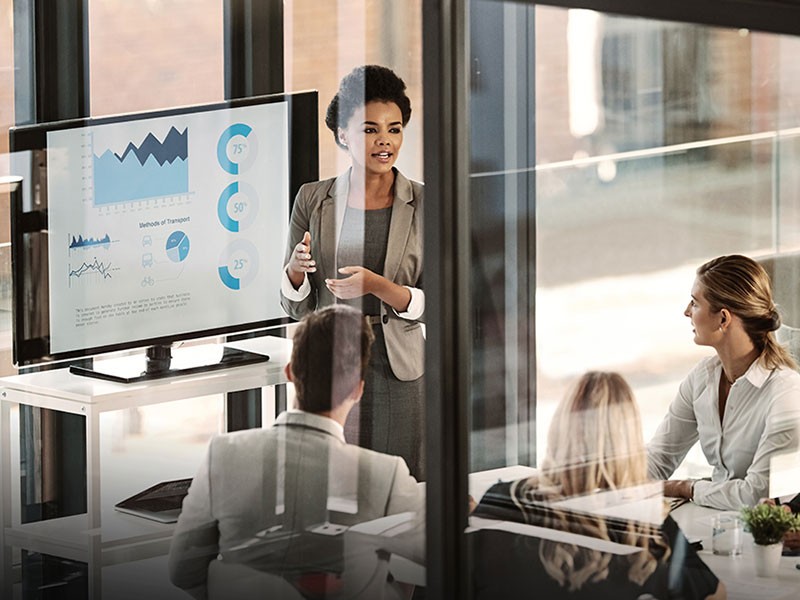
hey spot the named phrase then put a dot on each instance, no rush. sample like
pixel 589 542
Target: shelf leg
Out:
pixel 5 496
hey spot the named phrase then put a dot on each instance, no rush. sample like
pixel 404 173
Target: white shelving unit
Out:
pixel 103 537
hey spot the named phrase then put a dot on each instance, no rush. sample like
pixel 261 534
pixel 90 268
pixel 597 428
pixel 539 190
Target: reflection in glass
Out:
pixel 611 155
pixel 148 55
pixel 294 508
pixel 685 160
pixel 589 524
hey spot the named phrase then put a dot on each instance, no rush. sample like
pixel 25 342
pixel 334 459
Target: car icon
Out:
pixel 147 259
pixel 147 241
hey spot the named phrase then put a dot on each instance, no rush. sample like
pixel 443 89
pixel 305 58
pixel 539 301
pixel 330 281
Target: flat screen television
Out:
pixel 141 230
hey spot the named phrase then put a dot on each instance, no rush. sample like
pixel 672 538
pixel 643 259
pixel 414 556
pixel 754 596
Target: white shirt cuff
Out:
pixel 288 291
pixel 415 307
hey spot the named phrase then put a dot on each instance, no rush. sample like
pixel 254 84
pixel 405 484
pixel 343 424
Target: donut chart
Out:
pixel 237 206
pixel 237 148
pixel 238 264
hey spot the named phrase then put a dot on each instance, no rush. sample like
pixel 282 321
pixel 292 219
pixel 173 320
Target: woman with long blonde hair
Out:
pixel 742 402
pixel 594 446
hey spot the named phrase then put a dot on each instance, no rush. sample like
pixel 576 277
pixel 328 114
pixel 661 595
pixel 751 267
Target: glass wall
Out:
pixel 671 145
pixel 610 157
pixel 324 45
pixel 6 120
pixel 163 54
pixel 154 54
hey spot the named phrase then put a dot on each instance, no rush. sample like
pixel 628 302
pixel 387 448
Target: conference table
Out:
pixel 738 572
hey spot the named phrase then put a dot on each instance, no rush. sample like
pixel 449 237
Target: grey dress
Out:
pixel 391 409
pixel 390 418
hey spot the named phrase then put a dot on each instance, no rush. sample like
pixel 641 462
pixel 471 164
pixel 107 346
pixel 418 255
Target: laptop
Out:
pixel 161 502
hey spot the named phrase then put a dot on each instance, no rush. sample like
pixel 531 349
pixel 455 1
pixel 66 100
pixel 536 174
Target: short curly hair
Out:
pixel 368 83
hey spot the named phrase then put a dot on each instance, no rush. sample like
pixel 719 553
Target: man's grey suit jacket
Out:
pixel 291 478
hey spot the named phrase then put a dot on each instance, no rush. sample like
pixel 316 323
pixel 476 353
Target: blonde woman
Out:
pixel 594 445
pixel 743 403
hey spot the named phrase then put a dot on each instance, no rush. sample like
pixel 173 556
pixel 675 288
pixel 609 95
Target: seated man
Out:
pixel 278 499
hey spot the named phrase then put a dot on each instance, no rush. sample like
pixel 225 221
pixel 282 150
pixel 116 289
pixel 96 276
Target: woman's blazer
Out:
pixel 319 209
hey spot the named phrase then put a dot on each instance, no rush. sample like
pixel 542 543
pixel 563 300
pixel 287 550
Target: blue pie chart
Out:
pixel 177 246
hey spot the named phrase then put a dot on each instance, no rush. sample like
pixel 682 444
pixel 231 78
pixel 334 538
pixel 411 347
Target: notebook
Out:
pixel 161 502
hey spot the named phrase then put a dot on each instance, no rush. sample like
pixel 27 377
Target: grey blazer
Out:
pixel 319 209
pixel 292 477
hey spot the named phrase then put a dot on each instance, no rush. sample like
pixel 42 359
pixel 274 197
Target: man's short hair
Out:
pixel 330 356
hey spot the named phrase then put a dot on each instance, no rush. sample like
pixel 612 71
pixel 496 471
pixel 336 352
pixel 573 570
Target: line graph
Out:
pixel 95 271
pixel 150 169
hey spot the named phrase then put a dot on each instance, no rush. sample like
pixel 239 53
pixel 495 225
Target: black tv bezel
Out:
pixel 303 121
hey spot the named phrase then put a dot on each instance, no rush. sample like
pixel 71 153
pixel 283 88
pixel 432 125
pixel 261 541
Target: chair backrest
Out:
pixel 233 580
pixel 784 272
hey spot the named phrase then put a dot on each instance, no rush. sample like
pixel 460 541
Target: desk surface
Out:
pixel 737 572
pixel 60 390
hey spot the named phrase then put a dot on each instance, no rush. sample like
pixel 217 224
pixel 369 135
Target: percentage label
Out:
pixel 239 148
pixel 239 263
pixel 237 206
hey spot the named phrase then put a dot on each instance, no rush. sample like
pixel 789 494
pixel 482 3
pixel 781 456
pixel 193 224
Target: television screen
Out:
pixel 151 228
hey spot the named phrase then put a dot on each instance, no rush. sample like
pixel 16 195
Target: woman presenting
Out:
pixel 743 403
pixel 357 239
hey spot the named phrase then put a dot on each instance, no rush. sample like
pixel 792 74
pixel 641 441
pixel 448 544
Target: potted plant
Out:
pixel 768 524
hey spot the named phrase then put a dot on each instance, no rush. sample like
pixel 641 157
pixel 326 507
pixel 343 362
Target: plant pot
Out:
pixel 767 559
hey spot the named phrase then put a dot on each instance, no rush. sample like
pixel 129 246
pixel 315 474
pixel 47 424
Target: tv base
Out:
pixel 160 364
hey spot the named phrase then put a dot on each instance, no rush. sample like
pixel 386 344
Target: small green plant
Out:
pixel 769 523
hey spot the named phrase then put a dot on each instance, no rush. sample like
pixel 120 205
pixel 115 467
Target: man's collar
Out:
pixel 297 417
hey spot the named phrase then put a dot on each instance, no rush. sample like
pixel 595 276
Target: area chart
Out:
pixel 153 168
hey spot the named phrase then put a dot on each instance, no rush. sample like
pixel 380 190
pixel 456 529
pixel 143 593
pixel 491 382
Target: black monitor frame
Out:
pixel 29 223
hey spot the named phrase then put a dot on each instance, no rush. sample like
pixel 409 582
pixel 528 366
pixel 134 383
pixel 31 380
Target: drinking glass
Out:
pixel 726 535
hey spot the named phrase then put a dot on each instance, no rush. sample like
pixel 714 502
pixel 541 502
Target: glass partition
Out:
pixel 314 517
pixel 6 120
pixel 321 46
pixel 154 54
pixel 610 157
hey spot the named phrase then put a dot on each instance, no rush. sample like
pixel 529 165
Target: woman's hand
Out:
pixel 360 282
pixel 301 261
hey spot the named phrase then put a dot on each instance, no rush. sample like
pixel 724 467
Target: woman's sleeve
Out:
pixel 304 302
pixel 780 436
pixel 416 306
pixel 676 434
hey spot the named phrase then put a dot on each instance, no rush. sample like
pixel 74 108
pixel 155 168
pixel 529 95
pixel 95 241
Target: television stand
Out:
pixel 159 363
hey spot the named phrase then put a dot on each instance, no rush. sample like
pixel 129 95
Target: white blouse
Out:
pixel 761 420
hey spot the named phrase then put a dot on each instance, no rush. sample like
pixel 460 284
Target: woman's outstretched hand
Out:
pixel 301 261
pixel 360 281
